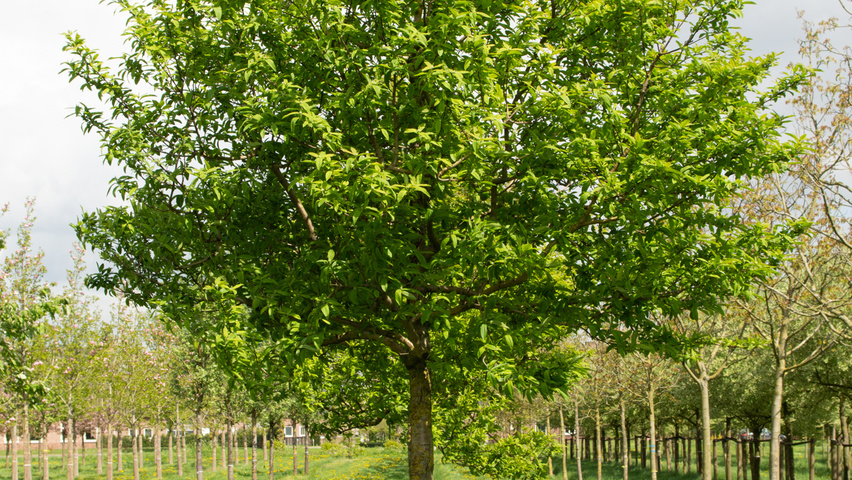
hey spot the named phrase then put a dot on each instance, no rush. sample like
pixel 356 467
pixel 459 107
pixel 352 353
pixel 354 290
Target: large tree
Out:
pixel 473 174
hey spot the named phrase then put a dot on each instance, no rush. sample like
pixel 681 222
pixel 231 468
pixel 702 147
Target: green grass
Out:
pixel 368 464
pixel 382 464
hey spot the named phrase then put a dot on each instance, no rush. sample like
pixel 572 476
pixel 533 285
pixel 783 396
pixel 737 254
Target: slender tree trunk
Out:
pixel 254 445
pixel 295 452
pixel 199 459
pixel 158 453
pixel 755 453
pixel 222 440
pixel 726 449
pixel 45 466
pixel 178 451
pixel 598 446
pixel 100 448
pixel 777 399
pixel 134 447
pixel 170 435
pixel 563 443
pixel 230 439
pixel 706 437
pixel 625 442
pixel 108 438
pixel 180 430
pixel 844 428
pixel 307 436
pixel 577 436
pixel 28 467
pixel 652 419
pixel 120 441
pixel 140 444
pixel 74 453
pixel 213 445
pixel 15 451
pixel 270 456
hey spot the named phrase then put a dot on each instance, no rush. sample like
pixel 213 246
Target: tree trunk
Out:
pixel 213 445
pixel 563 443
pixel 15 451
pixel 844 428
pixel 100 448
pixel 134 447
pixel 171 435
pixel 120 444
pixel 45 466
pixel 199 459
pixel 777 398
pixel 230 439
pixel 180 431
pixel 755 453
pixel 222 441
pixel 625 442
pixel 577 436
pixel 598 446
pixel 158 454
pixel 253 445
pixel 812 459
pixel 549 457
pixel 25 422
pixel 707 466
pixel 75 459
pixel 421 461
pixel 726 449
pixel 652 420
pixel 295 452
pixel 270 455
pixel 307 435
pixel 108 439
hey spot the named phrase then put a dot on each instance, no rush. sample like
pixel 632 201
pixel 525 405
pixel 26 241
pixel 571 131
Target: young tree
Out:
pixel 401 172
pixel 25 304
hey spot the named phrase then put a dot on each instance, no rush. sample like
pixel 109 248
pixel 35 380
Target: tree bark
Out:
pixel 134 447
pixel 577 437
pixel 14 451
pixel 158 454
pixel 100 448
pixel 421 461
pixel 108 438
pixel 254 445
pixel 295 452
pixel 652 420
pixel 199 459
pixel 25 421
pixel 598 446
pixel 707 465
pixel 230 440
pixel 270 455
pixel 726 449
pixel 625 442
pixel 563 443
pixel 307 455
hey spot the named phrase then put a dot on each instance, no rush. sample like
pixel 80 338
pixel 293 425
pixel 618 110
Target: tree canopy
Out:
pixel 452 183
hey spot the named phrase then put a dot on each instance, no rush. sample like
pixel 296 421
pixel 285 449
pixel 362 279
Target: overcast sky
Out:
pixel 43 154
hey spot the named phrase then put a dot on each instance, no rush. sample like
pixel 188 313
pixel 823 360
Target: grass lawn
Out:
pixel 382 464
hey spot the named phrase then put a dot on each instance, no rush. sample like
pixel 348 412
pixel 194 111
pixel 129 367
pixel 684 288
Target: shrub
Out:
pixel 393 445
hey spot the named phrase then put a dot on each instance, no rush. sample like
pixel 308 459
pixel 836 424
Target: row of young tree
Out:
pixel 75 371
